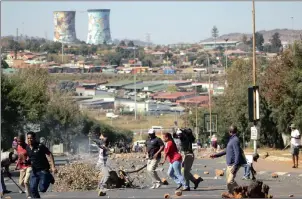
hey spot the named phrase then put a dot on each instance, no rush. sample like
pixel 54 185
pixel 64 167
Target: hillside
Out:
pixel 285 34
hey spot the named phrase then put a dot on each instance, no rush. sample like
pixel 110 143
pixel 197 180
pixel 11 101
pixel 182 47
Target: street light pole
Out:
pixel 210 108
pixel 196 123
pixel 292 37
pixel 254 68
pixel 226 59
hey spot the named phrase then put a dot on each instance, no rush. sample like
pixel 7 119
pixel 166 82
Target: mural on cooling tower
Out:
pixel 98 27
pixel 64 24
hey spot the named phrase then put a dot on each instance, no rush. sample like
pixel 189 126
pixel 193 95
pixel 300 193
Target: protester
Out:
pixel 214 143
pixel 7 158
pixel 39 158
pixel 102 163
pixel 186 141
pixel 295 144
pixel 154 146
pixel 1 190
pixel 234 158
pixel 23 165
pixel 248 168
pixel 175 159
pixel 14 145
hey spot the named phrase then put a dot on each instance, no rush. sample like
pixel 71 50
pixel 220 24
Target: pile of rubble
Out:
pixel 78 176
pixel 256 189
pixel 81 174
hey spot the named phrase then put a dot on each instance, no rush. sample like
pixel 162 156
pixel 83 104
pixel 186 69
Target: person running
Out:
pixel 39 157
pixel 248 168
pixel 7 158
pixel 234 158
pixel 154 146
pixel 186 141
pixel 295 144
pixel 214 143
pixel 171 153
pixel 23 165
pixel 102 163
pixel 14 145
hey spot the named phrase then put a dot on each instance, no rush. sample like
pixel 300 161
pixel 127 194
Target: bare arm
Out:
pixel 51 159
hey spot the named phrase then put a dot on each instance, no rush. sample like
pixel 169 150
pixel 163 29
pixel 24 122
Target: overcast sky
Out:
pixel 167 22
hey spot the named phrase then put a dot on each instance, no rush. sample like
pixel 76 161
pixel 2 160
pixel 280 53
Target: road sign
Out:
pixel 254 133
pixel 253 103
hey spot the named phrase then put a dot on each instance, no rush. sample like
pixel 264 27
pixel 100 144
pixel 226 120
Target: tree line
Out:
pixel 27 98
pixel 280 82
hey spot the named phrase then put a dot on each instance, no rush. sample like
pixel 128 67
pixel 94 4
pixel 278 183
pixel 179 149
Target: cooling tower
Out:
pixel 64 22
pixel 98 27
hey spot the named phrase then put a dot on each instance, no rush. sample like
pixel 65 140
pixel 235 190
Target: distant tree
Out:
pixel 4 65
pixel 244 39
pixel 122 43
pixel 130 44
pixel 93 49
pixel 157 47
pixel 172 89
pixel 259 41
pixel 276 42
pixel 215 33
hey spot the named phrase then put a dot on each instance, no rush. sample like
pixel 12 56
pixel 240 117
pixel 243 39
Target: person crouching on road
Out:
pixel 248 168
pixel 102 163
pixel 186 141
pixel 154 147
pixel 234 158
pixel 39 157
pixel 175 159
pixel 23 165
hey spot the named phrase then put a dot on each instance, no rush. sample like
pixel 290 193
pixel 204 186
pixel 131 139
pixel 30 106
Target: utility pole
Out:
pixel 62 53
pixel 210 106
pixel 16 44
pixel 254 70
pixel 292 43
pixel 226 60
pixel 196 125
pixel 135 103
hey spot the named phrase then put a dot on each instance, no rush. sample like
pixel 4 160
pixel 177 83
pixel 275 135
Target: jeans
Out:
pixel 2 182
pixel 247 170
pixel 41 180
pixel 151 166
pixel 174 172
pixel 105 173
pixel 187 165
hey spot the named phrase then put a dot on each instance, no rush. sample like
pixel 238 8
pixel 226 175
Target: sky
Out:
pixel 166 22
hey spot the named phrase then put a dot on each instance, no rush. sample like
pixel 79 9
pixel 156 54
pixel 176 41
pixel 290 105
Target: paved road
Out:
pixel 287 183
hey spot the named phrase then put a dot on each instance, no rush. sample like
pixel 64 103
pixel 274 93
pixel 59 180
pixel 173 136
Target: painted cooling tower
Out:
pixel 64 22
pixel 98 27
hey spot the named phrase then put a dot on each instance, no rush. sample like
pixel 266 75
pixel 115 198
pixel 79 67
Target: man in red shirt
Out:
pixel 22 164
pixel 175 160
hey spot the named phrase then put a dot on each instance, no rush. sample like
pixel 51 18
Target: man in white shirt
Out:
pixel 295 144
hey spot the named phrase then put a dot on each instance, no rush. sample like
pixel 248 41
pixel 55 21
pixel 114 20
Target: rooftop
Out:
pixel 119 83
pixel 219 42
pixel 142 85
pixel 173 95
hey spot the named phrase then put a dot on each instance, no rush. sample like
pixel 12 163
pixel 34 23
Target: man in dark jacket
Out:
pixel 186 140
pixel 234 158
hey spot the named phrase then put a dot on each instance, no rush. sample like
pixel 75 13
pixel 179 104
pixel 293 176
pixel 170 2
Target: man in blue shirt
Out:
pixel 234 158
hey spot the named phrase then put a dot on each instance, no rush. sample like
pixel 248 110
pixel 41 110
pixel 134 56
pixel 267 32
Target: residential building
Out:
pixel 223 44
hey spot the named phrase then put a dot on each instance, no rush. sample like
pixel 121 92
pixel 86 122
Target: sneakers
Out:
pixel 197 182
pixel 245 178
pixel 179 186
pixel 156 185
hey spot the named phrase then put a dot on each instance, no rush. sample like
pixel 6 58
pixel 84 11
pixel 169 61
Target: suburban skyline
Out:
pixel 166 22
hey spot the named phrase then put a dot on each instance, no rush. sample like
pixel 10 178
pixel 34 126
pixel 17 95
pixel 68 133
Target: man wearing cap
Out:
pixel 154 147
pixel 186 149
pixel 295 144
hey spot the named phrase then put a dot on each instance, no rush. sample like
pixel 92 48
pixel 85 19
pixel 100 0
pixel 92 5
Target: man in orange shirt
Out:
pixel 23 165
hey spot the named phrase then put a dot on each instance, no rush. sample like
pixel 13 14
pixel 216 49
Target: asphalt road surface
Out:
pixel 282 187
